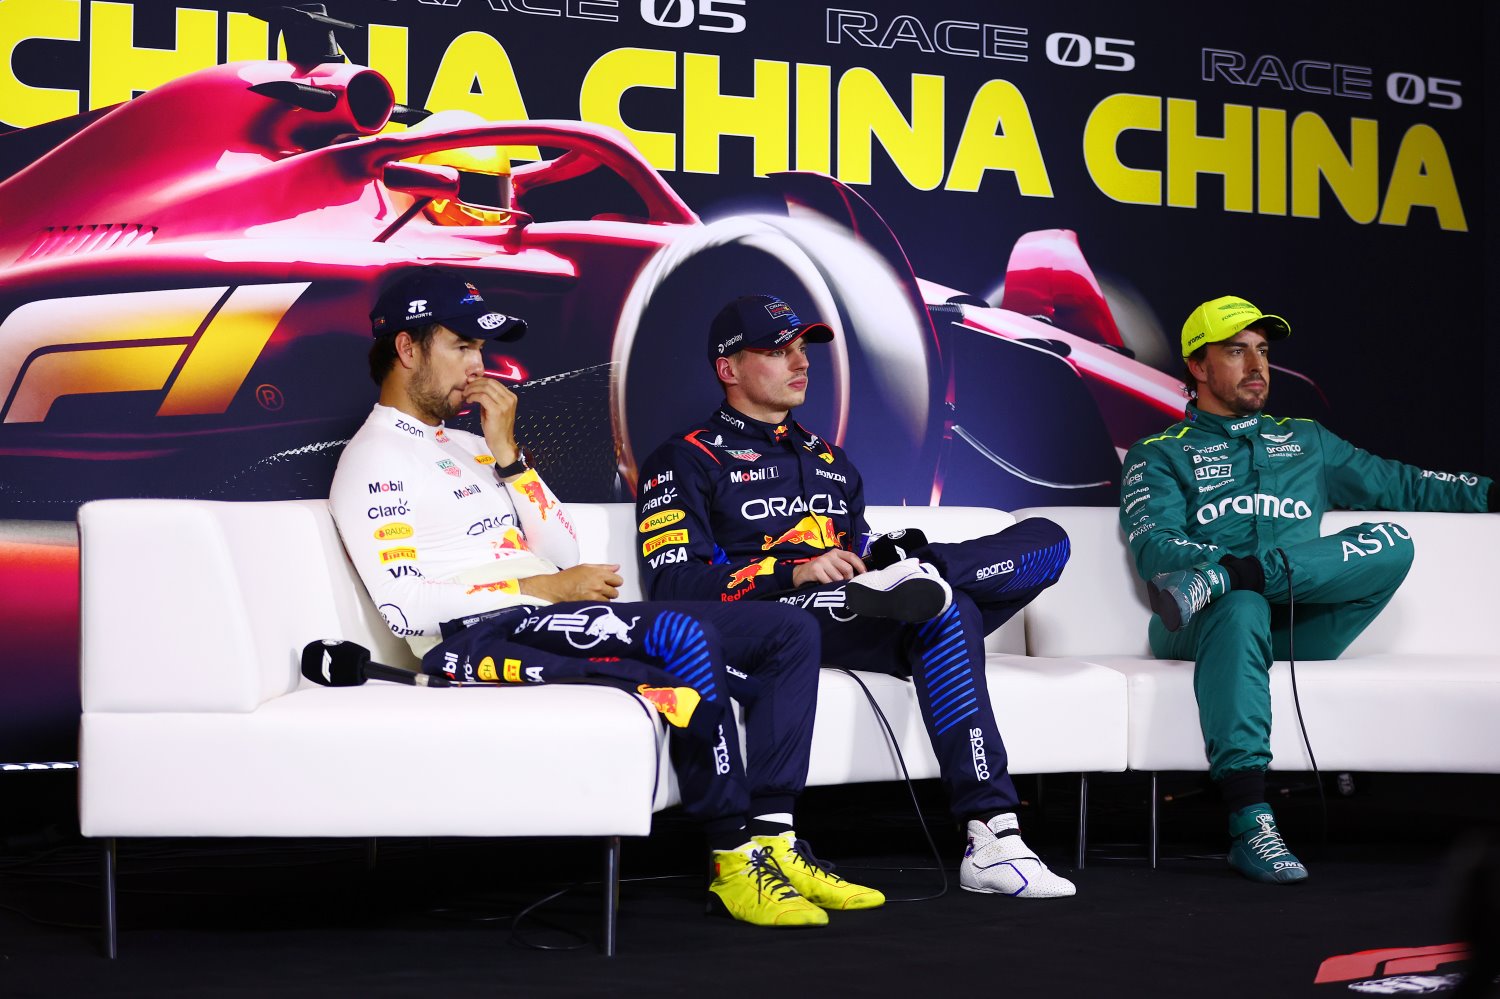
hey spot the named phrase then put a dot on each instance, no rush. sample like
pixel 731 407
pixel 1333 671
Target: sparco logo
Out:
pixel 998 569
pixel 755 474
pixel 721 754
pixel 976 749
pixel 1261 503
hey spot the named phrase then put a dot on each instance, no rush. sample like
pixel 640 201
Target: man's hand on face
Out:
pixel 497 405
pixel 581 582
pixel 830 567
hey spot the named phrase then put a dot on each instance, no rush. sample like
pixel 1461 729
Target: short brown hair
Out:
pixel 383 350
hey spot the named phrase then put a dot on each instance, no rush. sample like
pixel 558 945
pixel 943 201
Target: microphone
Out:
pixel 882 550
pixel 332 663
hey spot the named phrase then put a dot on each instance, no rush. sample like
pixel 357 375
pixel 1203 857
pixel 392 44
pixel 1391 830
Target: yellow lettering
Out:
pixel 1423 176
pixel 708 114
pixel 606 82
pixel 1190 154
pixel 388 57
pixel 1355 181
pixel 475 74
pixel 1111 117
pixel 118 70
pixel 245 38
pixel 867 112
pixel 999 135
pixel 1270 138
pixel 814 118
pixel 22 105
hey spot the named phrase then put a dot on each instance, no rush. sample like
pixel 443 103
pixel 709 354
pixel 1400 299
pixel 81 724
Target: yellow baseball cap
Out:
pixel 1222 318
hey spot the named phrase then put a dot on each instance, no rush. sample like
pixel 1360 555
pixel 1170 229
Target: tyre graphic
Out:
pixel 871 389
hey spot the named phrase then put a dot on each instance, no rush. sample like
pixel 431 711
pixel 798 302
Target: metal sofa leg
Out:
pixel 110 858
pixel 611 892
pixel 1154 796
pixel 1083 818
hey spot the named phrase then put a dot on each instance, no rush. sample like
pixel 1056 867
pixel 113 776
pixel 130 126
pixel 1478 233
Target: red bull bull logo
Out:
pixel 530 486
pixel 499 586
pixel 510 540
pixel 675 703
pixel 814 531
pixel 750 571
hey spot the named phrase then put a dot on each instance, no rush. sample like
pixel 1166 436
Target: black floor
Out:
pixel 434 917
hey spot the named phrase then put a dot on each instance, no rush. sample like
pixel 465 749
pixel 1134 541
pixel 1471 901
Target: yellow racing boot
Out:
pixel 814 879
pixel 753 889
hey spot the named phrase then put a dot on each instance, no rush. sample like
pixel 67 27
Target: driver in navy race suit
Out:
pixel 751 508
pixel 459 544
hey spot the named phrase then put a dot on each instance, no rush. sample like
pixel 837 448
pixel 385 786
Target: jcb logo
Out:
pixel 197 344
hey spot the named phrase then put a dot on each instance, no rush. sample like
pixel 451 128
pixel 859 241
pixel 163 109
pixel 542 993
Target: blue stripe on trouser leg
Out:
pixel 779 647
pixel 1038 569
pixel 677 641
pixel 1006 569
pixel 946 657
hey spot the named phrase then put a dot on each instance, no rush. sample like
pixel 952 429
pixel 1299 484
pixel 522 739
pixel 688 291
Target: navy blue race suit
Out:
pixel 729 509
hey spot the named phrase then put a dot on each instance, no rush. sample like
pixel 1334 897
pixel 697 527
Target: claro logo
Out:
pixel 195 344
pixel 1261 504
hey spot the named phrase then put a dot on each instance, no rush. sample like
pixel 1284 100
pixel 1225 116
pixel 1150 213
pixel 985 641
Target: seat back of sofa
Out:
pixel 241 587
pixel 244 586
pixel 1099 605
pixel 1446 605
pixel 609 533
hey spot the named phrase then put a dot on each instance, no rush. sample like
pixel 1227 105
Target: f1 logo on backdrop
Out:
pixel 197 344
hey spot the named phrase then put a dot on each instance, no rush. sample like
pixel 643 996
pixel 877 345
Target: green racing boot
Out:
pixel 1257 850
pixel 1177 596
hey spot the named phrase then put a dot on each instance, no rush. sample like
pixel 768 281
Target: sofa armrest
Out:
pixel 164 626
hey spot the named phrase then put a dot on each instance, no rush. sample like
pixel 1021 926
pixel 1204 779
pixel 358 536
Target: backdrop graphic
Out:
pixel 1005 209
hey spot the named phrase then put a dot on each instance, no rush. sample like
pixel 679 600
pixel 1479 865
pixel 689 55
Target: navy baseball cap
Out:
pixel 430 295
pixel 759 322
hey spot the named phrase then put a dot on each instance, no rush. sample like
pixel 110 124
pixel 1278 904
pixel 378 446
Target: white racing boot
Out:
pixel 997 861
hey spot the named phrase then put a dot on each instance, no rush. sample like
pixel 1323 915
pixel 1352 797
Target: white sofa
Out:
pixel 197 722
pixel 1418 691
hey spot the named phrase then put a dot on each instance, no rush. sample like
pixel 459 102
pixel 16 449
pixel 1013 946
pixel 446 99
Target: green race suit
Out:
pixel 1256 486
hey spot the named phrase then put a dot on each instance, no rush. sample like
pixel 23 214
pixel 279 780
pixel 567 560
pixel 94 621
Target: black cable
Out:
pixel 906 775
pixel 1291 655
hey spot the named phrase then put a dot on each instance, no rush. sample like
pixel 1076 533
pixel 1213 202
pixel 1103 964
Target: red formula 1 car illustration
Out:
pixel 185 280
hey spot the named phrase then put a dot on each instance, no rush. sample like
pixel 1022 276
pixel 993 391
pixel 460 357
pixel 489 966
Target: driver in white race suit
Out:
pixel 459 544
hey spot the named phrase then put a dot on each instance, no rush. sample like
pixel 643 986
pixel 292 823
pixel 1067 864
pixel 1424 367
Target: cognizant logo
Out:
pixel 1261 503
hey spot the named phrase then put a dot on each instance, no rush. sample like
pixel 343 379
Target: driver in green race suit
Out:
pixel 1221 512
